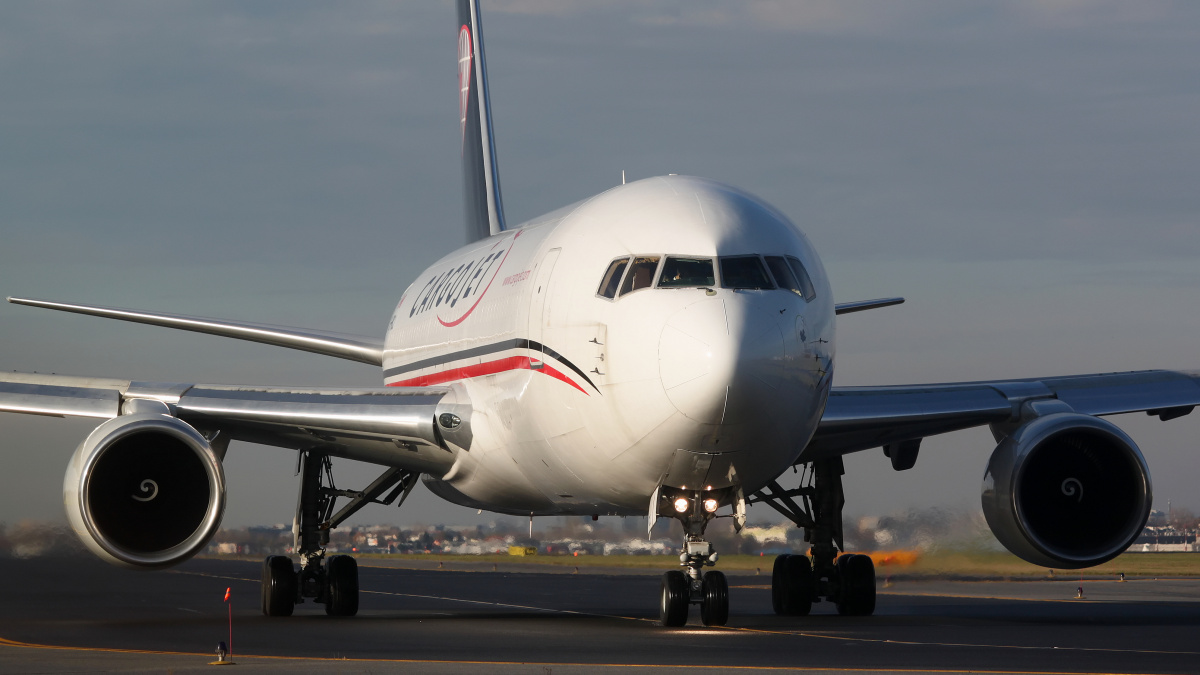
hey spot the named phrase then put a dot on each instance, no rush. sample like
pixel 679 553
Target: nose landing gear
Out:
pixel 681 589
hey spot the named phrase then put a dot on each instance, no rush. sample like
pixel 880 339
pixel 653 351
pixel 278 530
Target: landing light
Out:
pixel 681 505
pixel 710 505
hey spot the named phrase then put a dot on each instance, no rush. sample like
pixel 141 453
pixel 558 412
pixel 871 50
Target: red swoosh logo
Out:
pixel 485 290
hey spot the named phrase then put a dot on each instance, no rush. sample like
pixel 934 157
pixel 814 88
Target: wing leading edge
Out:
pixel 392 426
pixel 860 418
pixel 351 347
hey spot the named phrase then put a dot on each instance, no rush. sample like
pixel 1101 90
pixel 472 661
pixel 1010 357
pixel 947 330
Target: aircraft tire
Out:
pixel 341 573
pixel 779 584
pixel 857 596
pixel 278 586
pixel 714 599
pixel 673 608
pixel 800 586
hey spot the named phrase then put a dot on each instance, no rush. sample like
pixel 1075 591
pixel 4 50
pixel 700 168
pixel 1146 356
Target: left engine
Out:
pixel 145 491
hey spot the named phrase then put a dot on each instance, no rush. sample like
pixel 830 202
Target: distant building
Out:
pixel 1164 539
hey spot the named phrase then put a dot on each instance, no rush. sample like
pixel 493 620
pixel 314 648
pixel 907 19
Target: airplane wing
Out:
pixel 860 418
pixel 391 426
pixel 350 347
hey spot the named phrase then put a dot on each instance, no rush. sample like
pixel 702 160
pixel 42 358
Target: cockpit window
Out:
pixel 802 276
pixel 785 278
pixel 612 278
pixel 641 274
pixel 744 272
pixel 687 272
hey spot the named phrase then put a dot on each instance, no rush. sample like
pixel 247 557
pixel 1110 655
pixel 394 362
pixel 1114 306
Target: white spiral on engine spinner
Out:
pixel 147 486
pixel 1071 486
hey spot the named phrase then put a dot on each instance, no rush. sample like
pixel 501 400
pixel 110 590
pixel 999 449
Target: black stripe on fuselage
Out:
pixel 485 350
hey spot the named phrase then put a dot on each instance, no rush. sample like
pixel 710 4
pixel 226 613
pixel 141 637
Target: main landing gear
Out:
pixel 797 581
pixel 331 581
pixel 682 589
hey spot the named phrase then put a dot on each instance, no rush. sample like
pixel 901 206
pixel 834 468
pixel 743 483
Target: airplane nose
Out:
pixel 719 358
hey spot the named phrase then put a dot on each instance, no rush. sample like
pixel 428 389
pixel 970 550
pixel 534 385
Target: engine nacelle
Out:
pixel 1067 491
pixel 144 490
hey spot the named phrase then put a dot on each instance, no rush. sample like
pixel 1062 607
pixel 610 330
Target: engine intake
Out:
pixel 144 490
pixel 1067 490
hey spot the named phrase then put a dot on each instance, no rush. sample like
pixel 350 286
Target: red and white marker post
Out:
pixel 228 595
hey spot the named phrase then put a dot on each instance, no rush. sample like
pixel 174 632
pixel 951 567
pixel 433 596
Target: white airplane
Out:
pixel 665 348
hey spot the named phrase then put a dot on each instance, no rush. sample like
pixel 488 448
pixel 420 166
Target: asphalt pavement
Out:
pixel 77 614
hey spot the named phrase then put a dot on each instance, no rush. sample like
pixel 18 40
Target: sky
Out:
pixel 1024 173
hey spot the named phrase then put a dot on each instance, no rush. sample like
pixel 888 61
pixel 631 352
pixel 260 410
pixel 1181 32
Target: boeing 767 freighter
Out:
pixel 665 349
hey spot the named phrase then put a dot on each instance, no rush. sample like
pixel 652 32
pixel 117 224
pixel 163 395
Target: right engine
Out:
pixel 144 490
pixel 1067 490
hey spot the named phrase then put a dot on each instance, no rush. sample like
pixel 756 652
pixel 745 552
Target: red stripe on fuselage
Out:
pixel 487 368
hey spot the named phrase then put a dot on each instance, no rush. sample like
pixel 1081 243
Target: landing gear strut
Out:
pixel 797 581
pixel 332 582
pixel 681 589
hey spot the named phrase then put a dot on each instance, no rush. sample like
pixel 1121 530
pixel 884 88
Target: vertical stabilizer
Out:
pixel 481 181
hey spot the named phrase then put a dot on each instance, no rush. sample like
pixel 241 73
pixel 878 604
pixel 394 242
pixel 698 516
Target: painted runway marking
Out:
pixel 963 596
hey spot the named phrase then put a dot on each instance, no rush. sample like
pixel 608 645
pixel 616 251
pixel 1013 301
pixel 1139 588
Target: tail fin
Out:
pixel 481 180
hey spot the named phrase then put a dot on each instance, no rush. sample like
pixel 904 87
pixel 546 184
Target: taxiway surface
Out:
pixel 76 614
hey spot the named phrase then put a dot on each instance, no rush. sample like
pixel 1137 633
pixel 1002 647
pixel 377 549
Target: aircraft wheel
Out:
pixel 779 584
pixel 278 586
pixel 857 575
pixel 673 609
pixel 714 599
pixel 341 573
pixel 801 586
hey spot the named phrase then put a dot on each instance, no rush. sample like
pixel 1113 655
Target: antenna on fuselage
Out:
pixel 622 176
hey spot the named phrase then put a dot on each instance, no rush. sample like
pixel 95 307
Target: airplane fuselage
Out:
pixel 584 404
